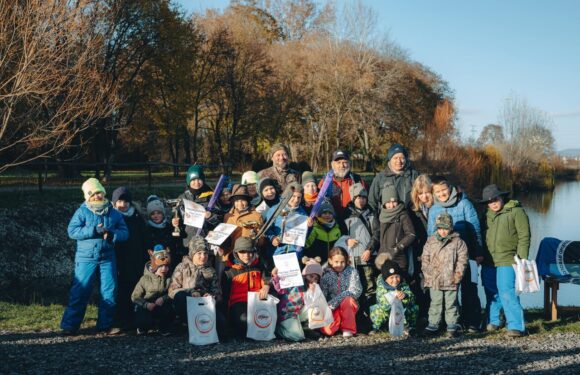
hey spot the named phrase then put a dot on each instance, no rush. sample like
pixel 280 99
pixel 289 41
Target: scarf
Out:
pixel 327 224
pixel 439 238
pixel 99 208
pixel 272 202
pixel 130 211
pixel 310 198
pixel 389 215
pixel 453 199
pixel 153 224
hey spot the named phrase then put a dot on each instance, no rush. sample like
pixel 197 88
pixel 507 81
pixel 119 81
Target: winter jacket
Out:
pixel 420 224
pixel 248 224
pixel 444 262
pixel 291 300
pixel 361 225
pixel 381 312
pixel 239 279
pixel 465 222
pixel 283 177
pixel 190 278
pixel 339 193
pixel 132 254
pixel 150 287
pixel 402 182
pixel 202 197
pixel 507 234
pixel 337 286
pixel 91 246
pixel 277 230
pixel 164 236
pixel 321 240
pixel 396 237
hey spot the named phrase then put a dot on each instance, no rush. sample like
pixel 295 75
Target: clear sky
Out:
pixel 487 51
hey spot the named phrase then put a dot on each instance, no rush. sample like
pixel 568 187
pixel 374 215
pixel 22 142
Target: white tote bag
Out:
pixel 319 313
pixel 397 315
pixel 527 279
pixel 262 317
pixel 201 320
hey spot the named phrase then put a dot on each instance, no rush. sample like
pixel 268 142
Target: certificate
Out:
pixel 194 214
pixel 220 233
pixel 474 268
pixel 295 230
pixel 288 270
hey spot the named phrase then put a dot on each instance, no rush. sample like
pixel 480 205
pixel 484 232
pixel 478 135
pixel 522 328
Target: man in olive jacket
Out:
pixel 507 235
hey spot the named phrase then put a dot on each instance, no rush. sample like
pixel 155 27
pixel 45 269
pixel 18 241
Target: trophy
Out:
pixel 253 226
pixel 174 204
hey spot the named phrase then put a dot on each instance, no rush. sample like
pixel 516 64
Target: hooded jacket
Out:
pixel 380 313
pixel 150 287
pixel 361 225
pixel 444 262
pixel 320 240
pixel 277 230
pixel 190 278
pixel 239 279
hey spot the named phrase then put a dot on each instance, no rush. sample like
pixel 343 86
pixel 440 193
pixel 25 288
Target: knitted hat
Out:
pixel 250 177
pixel 244 244
pixel 291 188
pixel 194 172
pixel 159 256
pixel 312 266
pixel 389 194
pixel 155 205
pixel 122 193
pixel 197 244
pixel 444 221
pixel 395 149
pixel 240 192
pixel 277 147
pixel 307 177
pixel 91 187
pixel 326 207
pixel 268 182
pixel 357 190
pixel 390 268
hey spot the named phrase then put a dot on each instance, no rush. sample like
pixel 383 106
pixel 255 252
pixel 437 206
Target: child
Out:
pixel 389 281
pixel 341 287
pixel 159 231
pixel 312 273
pixel 324 234
pixel 96 227
pixel 450 200
pixel 150 294
pixel 250 179
pixel 242 275
pixel 310 191
pixel 396 228
pixel 443 264
pixel 196 278
pixel 269 194
pixel 290 308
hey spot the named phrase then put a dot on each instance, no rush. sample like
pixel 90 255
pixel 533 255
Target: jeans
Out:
pixel 499 284
pixel 80 293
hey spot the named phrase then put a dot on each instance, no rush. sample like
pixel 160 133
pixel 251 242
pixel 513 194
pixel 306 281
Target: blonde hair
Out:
pixel 421 184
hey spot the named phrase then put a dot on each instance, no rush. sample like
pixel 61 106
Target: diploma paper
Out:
pixel 288 270
pixel 474 268
pixel 220 233
pixel 295 230
pixel 194 214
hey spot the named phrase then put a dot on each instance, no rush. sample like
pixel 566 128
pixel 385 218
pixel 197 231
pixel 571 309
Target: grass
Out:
pixel 36 317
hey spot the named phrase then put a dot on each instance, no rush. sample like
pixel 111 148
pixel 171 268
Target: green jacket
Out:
pixel 150 287
pixel 508 234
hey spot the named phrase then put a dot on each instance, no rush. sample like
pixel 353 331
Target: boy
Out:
pixel 325 232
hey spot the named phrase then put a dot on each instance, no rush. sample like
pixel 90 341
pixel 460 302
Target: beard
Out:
pixel 283 165
pixel 341 173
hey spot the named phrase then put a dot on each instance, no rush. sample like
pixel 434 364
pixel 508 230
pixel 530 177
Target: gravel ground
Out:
pixel 48 353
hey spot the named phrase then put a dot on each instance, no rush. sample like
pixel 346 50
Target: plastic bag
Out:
pixel 397 316
pixel 319 313
pixel 527 279
pixel 201 320
pixel 262 317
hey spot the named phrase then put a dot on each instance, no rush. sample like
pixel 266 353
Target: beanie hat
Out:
pixel 268 182
pixel 389 194
pixel 196 244
pixel 244 244
pixel 91 187
pixel 326 207
pixel 444 221
pixel 159 256
pixel 194 172
pixel 250 177
pixel 395 149
pixel 390 268
pixel 122 193
pixel 155 205
pixel 291 188
pixel 277 147
pixel 357 190
pixel 307 177
pixel 312 266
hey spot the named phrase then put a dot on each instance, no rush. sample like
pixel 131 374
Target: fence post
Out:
pixel 149 177
pixel 40 180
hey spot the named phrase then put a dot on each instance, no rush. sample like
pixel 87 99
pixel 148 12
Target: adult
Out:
pixel 96 227
pixel 507 235
pixel 280 171
pixel 398 173
pixel 342 180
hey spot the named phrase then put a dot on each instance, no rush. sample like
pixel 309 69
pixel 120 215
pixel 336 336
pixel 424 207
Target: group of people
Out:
pixel 406 237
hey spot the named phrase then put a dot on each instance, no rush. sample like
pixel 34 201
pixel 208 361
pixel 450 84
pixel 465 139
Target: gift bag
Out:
pixel 319 313
pixel 527 279
pixel 201 320
pixel 262 316
pixel 397 315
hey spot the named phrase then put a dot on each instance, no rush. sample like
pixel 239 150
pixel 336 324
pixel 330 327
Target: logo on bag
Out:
pixel 204 323
pixel 262 318
pixel 316 315
pixel 398 317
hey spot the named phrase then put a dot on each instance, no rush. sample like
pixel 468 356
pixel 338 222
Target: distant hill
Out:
pixel 570 152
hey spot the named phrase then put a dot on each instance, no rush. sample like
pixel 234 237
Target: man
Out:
pixel 279 170
pixel 398 173
pixel 342 180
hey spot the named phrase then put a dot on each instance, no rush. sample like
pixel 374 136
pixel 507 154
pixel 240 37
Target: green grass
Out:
pixel 35 317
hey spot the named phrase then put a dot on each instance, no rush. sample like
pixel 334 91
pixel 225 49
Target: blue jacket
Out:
pixel 276 231
pixel 465 223
pixel 90 245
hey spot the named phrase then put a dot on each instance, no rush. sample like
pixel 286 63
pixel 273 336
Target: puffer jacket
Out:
pixel 239 279
pixel 507 234
pixel 337 286
pixel 361 225
pixel 291 299
pixel 402 182
pixel 150 287
pixel 321 240
pixel 381 312
pixel 444 262
pixel 90 245
pixel 277 230
pixel 190 278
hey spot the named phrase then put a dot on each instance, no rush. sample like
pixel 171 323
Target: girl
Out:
pixel 290 309
pixel 325 232
pixel 310 191
pixel 341 286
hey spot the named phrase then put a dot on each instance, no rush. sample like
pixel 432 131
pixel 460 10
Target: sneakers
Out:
pixel 114 331
pixel 492 327
pixel 347 334
pixel 514 333
pixel 472 329
pixel 451 333
pixel 431 330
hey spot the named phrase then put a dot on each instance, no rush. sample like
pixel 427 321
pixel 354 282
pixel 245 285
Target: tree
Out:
pixel 491 134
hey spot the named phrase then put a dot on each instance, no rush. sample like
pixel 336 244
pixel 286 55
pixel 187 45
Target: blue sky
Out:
pixel 487 51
